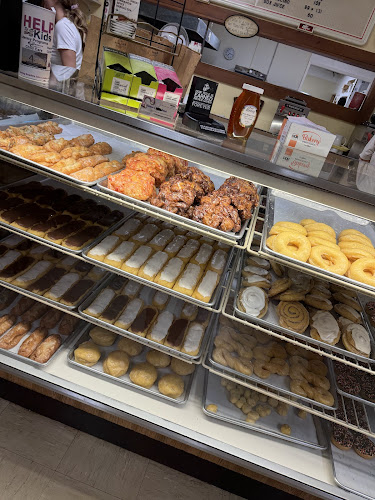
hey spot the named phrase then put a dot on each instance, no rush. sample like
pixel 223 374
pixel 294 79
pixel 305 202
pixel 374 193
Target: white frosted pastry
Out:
pixel 205 239
pixel 153 265
pixel 188 281
pixel 326 326
pixel 359 337
pixel 193 339
pixel 175 245
pixel 161 240
pixel 253 300
pixel 251 270
pixel 132 289
pixel 188 250
pixel 103 248
pixel 217 262
pixel 130 227
pixel 96 307
pixel 32 274
pixel 38 251
pixel 62 286
pixel 207 286
pixel 136 261
pixel 68 262
pixel 169 274
pixel 192 235
pixel 160 300
pixel 129 314
pixel 189 311
pixel 120 254
pixel 219 245
pixel 8 258
pixel 147 232
pixel 202 256
pixel 160 328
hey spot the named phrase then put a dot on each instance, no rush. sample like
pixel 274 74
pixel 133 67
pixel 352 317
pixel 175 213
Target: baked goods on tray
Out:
pixel 79 158
pixel 40 213
pixel 167 182
pixel 186 263
pixel 350 254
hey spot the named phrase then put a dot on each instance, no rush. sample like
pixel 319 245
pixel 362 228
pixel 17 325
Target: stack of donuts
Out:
pixel 353 255
pixel 332 312
pixel 251 352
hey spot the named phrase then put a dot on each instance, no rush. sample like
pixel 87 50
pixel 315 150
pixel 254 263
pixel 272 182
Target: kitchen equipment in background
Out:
pixel 290 106
pixel 250 72
pixel 175 34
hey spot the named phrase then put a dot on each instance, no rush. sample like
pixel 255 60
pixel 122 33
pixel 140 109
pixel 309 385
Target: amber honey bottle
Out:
pixel 245 112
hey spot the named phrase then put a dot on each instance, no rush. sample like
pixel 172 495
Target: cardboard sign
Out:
pixel 157 109
pixel 37 30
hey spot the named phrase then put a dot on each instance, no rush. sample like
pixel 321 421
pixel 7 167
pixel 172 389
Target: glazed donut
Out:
pixel 279 286
pixel 356 238
pixel 278 366
pixel 323 396
pixel 363 270
pixel 319 226
pixel 354 252
pixel 292 245
pixel 353 232
pixel 260 369
pixel 316 240
pixel 302 388
pixel 318 367
pixel 305 222
pixel 323 235
pixel 287 226
pixel 330 259
pixel 270 240
pixel 317 380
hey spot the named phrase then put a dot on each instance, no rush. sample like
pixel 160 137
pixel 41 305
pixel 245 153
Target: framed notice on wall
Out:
pixel 345 20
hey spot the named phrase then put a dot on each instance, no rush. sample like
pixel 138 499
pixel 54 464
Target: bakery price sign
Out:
pixel 345 20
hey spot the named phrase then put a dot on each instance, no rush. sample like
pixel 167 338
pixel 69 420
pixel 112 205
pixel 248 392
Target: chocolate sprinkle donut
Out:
pixel 348 383
pixel 342 435
pixel 364 445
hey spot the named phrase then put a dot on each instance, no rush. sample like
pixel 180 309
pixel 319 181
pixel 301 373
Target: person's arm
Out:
pixel 68 57
pixel 368 150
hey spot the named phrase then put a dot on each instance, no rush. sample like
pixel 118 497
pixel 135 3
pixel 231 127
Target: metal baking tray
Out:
pixel 42 298
pixel 97 370
pixel 271 320
pixel 217 178
pixel 286 207
pixel 305 432
pixel 9 227
pixel 215 296
pixel 277 382
pixel 146 294
pixel 14 351
pixel 350 471
pixel 120 146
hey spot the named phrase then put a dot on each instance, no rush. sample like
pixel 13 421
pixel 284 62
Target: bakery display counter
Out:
pixel 306 469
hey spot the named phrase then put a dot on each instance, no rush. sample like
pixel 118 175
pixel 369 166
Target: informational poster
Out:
pixel 344 20
pixel 37 29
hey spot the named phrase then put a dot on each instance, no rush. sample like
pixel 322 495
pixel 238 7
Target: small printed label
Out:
pixel 172 98
pixel 120 87
pixel 143 90
pixel 248 116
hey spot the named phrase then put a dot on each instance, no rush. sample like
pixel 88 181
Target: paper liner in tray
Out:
pixel 286 207
pixel 305 432
pixel 65 338
pixel 271 320
pixel 97 370
pixel 146 294
pixel 276 382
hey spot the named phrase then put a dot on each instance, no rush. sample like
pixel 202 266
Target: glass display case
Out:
pixel 222 330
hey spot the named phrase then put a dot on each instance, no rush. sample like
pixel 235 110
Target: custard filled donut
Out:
pixel 330 259
pixel 292 245
pixel 319 226
pixel 363 270
pixel 287 226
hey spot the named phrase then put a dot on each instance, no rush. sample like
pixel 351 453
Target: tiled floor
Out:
pixel 41 459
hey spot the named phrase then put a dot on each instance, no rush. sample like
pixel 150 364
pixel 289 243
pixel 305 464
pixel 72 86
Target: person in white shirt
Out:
pixel 366 168
pixel 69 34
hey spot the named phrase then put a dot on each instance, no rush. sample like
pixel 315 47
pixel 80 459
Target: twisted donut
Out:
pixel 318 367
pixel 277 366
pixel 260 370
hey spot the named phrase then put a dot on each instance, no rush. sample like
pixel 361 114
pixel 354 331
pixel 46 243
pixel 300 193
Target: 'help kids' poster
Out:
pixel 36 43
